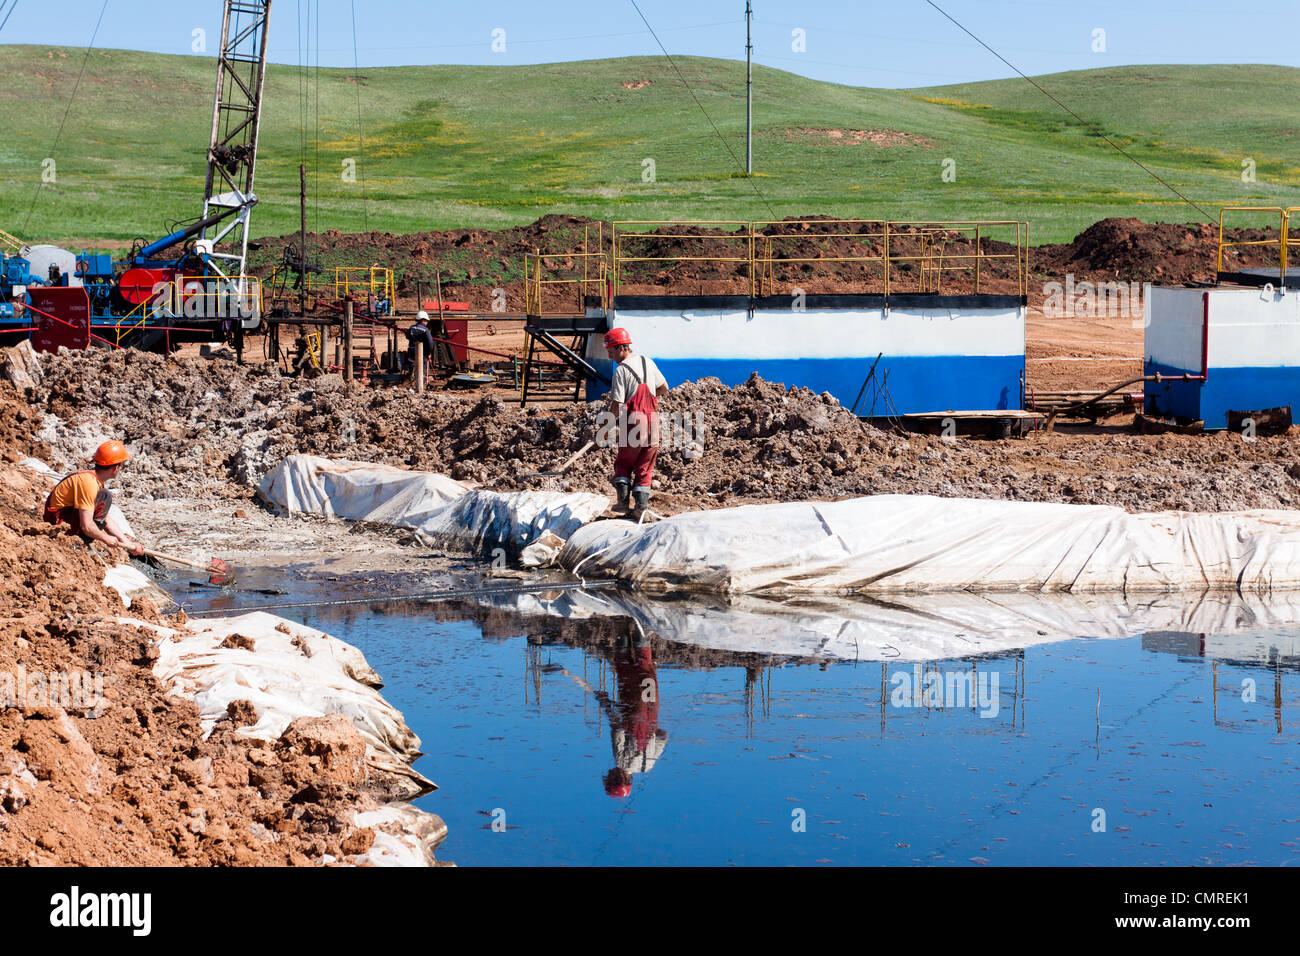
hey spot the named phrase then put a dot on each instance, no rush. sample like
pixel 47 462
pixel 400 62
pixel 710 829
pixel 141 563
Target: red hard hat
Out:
pixel 111 453
pixel 618 783
pixel 617 337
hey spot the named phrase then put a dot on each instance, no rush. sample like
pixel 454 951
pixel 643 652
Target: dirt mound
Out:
pixel 101 767
pixel 757 442
pixel 1130 250
pixel 474 262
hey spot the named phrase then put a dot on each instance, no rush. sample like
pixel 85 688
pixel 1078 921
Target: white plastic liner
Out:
pixel 531 523
pixel 358 491
pixel 291 672
pixel 925 627
pixel 912 543
pixel 131 584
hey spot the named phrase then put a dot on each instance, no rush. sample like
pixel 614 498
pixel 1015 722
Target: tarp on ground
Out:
pixel 288 670
pixel 918 543
pixel 1223 625
pixel 534 523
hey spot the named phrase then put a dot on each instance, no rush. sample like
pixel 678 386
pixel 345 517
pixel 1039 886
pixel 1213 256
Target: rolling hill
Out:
pixel 451 146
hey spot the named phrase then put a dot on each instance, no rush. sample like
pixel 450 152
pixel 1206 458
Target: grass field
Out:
pixel 494 146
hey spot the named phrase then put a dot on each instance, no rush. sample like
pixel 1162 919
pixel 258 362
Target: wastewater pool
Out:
pixel 596 741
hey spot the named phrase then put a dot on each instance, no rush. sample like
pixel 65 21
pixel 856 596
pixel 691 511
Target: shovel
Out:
pixel 564 467
pixel 219 570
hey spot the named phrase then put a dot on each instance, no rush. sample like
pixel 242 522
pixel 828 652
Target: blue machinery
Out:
pixel 191 283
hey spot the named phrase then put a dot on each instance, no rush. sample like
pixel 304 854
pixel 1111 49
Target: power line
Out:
pixel 361 139
pixel 12 4
pixel 71 99
pixel 725 144
pixel 1095 131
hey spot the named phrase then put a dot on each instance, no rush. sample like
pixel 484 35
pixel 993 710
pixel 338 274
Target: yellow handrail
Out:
pixel 1282 242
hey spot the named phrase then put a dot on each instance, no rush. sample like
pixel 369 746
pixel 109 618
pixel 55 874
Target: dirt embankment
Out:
pixel 99 766
pixel 474 262
pixel 212 428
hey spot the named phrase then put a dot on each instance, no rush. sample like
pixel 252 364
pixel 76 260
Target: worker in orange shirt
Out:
pixel 81 500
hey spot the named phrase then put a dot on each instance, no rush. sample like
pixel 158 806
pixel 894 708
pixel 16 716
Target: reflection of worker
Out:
pixel 634 400
pixel 82 501
pixel 634 730
pixel 419 334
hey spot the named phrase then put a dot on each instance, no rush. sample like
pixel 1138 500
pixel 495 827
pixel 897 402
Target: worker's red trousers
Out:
pixel 636 458
pixel 637 464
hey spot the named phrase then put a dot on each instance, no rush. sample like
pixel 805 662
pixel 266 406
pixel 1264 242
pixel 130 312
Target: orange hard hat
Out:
pixel 617 337
pixel 111 453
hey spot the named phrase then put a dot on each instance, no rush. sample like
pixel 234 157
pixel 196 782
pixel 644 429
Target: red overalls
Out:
pixel 640 431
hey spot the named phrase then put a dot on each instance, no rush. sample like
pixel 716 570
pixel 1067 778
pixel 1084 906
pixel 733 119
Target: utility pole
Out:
pixel 749 92
pixel 302 239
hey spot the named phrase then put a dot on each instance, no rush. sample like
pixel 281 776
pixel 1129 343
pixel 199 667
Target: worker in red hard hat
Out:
pixel 82 502
pixel 634 394
pixel 636 738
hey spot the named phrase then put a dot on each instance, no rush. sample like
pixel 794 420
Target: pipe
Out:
pixel 1185 377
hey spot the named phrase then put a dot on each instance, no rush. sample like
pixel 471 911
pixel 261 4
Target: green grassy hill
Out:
pixel 495 146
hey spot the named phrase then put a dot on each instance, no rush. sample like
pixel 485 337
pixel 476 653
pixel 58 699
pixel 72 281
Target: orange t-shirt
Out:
pixel 75 491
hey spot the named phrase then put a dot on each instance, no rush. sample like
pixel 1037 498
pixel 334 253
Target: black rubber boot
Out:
pixel 642 501
pixel 623 488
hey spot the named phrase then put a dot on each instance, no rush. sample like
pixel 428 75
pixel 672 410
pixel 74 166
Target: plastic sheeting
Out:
pixel 916 543
pixel 358 491
pixel 926 627
pixel 292 671
pixel 133 584
pixel 531 524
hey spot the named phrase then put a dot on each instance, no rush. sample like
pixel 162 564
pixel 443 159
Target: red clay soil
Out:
pixel 137 784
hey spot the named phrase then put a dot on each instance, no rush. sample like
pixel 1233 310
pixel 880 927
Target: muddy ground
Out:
pixel 135 783
pixel 208 429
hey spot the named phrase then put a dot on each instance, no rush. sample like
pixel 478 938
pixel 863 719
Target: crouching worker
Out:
pixel 82 502
pixel 634 402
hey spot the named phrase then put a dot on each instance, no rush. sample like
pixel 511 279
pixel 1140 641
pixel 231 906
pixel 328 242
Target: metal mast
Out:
pixel 749 93
pixel 236 116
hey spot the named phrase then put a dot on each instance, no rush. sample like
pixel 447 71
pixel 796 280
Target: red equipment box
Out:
pixel 63 318
pixel 457 329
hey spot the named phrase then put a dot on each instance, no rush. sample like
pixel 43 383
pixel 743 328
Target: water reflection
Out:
pixel 618 728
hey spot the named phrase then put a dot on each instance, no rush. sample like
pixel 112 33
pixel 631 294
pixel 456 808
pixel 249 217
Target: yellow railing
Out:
pixel 376 281
pixel 1281 243
pixel 584 273
pixel 883 253
pixel 12 241
pixel 934 260
pixel 742 236
pixel 133 320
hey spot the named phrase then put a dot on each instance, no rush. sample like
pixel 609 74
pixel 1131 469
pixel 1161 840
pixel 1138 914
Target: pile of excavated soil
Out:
pixel 474 262
pixel 132 781
pixel 218 427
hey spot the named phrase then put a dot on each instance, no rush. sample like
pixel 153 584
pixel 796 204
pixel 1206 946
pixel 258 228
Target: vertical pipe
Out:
pixel 302 239
pixel 324 339
pixel 749 93
pixel 347 340
pixel 419 368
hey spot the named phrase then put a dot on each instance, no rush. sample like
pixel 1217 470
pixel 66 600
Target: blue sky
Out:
pixel 900 43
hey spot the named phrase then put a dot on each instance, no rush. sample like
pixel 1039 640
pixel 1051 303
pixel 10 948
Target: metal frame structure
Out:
pixel 1282 242
pixel 236 118
pixel 895 247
